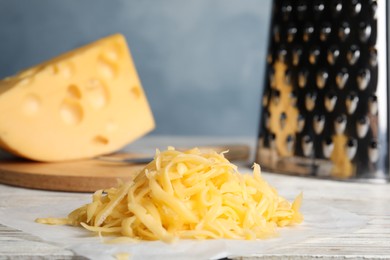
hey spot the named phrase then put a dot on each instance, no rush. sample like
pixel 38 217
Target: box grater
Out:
pixel 325 109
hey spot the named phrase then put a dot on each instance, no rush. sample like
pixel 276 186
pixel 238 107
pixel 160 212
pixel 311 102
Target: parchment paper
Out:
pixel 320 220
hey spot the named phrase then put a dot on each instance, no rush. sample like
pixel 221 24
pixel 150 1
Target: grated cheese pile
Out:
pixel 189 195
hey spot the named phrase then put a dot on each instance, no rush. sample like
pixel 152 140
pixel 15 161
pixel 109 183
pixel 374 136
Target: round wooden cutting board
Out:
pixel 89 175
pixel 78 176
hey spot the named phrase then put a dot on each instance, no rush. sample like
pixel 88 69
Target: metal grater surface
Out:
pixel 325 103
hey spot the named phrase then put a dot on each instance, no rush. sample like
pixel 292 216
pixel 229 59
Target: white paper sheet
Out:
pixel 320 220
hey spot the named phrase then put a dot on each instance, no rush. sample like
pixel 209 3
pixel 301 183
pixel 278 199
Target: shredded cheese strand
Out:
pixel 187 195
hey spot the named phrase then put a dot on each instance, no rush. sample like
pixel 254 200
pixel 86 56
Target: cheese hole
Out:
pixel 71 112
pixel 112 53
pixel 107 68
pixel 31 104
pixel 29 72
pixel 74 92
pixel 100 140
pixel 111 126
pixel 26 76
pixel 63 69
pixel 96 93
pixel 136 92
pixel 25 81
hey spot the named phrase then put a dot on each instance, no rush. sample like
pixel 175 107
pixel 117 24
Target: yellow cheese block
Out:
pixel 84 103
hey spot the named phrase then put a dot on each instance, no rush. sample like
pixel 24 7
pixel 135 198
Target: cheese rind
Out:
pixel 84 103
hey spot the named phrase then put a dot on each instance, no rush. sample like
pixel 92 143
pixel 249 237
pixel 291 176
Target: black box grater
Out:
pixel 325 106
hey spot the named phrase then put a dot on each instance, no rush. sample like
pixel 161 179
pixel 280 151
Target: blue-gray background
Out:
pixel 201 62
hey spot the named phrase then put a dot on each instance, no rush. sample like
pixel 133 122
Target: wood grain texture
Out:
pixel 78 176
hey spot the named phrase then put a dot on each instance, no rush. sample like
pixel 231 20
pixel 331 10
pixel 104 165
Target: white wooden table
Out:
pixel 371 241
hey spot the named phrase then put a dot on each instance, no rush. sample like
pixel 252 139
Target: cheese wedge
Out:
pixel 84 103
